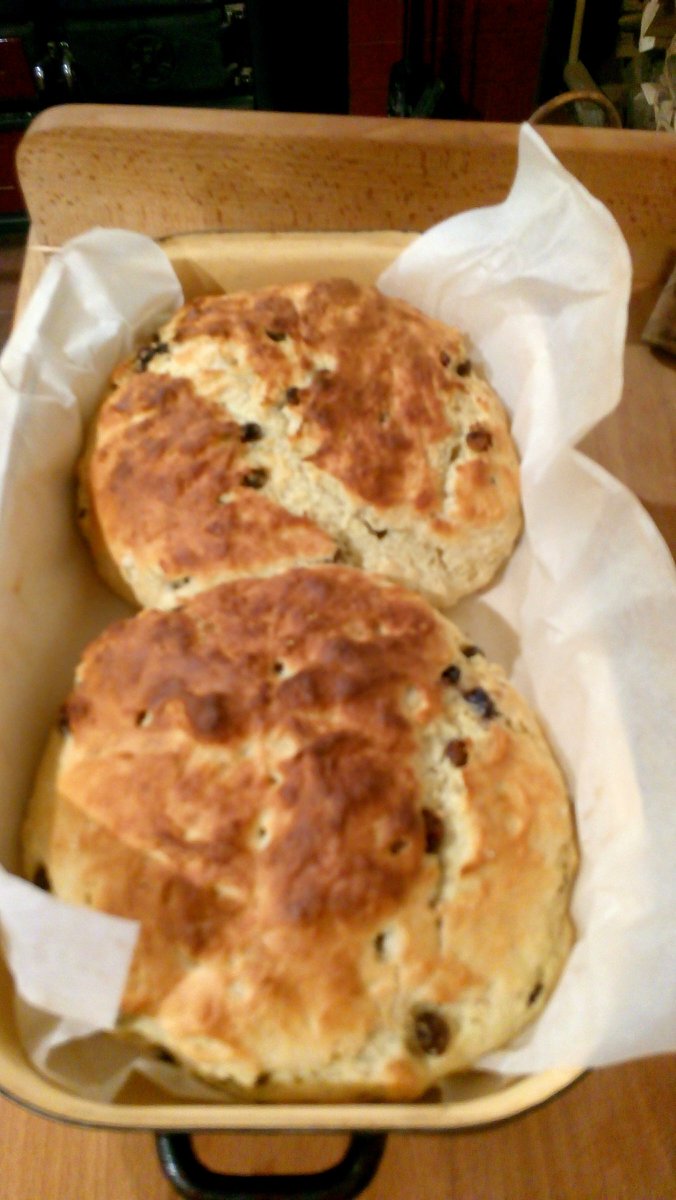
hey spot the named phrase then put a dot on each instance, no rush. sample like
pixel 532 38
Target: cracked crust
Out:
pixel 293 426
pixel 346 840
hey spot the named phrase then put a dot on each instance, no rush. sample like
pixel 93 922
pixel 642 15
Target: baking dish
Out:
pixel 208 263
pixel 480 1098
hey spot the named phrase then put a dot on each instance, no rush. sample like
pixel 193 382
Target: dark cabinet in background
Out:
pixel 182 52
pixel 493 60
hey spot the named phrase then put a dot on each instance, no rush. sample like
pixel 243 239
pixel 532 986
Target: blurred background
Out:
pixel 486 60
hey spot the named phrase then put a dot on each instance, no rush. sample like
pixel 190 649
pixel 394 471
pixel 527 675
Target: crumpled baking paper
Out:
pixel 541 283
pixel 581 616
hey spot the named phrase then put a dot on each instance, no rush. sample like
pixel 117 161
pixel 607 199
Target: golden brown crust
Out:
pixel 347 843
pixel 175 458
pixel 290 425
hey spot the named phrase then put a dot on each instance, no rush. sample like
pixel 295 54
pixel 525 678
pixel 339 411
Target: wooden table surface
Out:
pixel 610 1136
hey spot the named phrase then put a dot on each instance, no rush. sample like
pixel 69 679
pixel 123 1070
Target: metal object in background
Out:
pixel 149 53
pixel 236 49
pixel 343 1181
pixel 53 73
pixel 178 52
pixel 414 89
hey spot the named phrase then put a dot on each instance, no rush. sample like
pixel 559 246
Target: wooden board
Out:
pixel 167 171
pixel 609 1137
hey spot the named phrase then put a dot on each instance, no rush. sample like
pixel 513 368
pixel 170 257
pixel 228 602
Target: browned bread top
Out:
pixel 346 840
pixel 296 425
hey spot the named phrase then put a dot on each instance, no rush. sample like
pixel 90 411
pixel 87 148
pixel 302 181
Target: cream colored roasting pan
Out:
pixel 305 196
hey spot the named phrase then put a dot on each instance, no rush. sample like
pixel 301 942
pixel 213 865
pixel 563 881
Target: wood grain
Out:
pixel 609 1137
pixel 174 170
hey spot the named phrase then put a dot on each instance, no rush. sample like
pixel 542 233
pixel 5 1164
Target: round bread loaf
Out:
pixel 346 841
pixel 293 426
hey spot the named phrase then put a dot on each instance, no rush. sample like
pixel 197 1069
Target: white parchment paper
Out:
pixel 582 616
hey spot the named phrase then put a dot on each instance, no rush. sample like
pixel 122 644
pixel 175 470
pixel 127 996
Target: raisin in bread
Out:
pixel 345 838
pixel 294 426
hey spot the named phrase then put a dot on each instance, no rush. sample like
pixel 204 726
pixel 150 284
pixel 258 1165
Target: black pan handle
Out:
pixel 343 1181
